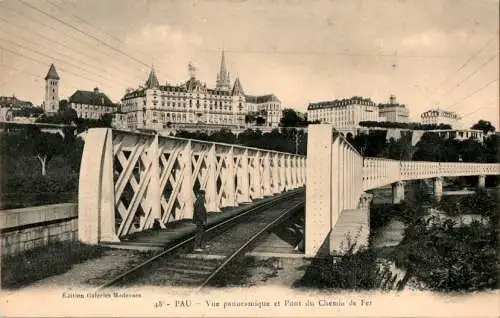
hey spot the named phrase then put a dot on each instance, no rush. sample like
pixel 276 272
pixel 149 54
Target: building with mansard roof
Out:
pixel 344 114
pixel 91 104
pixel 267 106
pixel 156 106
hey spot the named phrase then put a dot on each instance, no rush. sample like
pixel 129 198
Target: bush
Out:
pixel 41 184
pixel 382 214
pixel 449 258
pixel 285 140
pixel 353 271
pixel 420 193
pixel 413 126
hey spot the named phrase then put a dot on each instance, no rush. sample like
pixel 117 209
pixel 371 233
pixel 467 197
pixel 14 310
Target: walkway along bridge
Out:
pixel 130 182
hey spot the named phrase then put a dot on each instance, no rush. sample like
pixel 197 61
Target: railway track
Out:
pixel 177 266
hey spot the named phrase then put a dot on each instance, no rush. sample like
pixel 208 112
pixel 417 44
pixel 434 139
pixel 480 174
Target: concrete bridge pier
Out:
pixel 398 192
pixel 481 182
pixel 438 188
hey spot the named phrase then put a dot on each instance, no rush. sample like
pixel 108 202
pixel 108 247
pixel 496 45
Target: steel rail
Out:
pixel 228 259
pixel 192 237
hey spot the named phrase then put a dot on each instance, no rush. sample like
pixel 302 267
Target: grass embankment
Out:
pixel 41 262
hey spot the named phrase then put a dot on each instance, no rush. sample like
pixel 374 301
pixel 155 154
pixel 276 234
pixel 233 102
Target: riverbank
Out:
pixel 446 246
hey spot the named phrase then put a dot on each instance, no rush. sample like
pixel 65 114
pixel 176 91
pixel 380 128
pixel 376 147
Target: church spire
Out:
pixel 223 80
pixel 152 81
pixel 237 88
pixel 52 73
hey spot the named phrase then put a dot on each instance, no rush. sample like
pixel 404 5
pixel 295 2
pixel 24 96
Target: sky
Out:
pixel 427 53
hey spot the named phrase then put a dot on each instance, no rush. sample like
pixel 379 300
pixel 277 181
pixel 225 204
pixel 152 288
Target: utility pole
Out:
pixel 297 142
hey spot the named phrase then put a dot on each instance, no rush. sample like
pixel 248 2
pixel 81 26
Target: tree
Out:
pixel 450 258
pixel 492 148
pixel 107 119
pixel 472 151
pixel 65 117
pixel 372 145
pixel 250 119
pixel 68 116
pixel 291 119
pixel 63 105
pixel 224 135
pixel 429 148
pixel 260 121
pixel 484 125
pixel 45 146
pixel 74 152
pixel 28 112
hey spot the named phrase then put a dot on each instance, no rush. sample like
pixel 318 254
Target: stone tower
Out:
pixel 51 101
pixel 223 80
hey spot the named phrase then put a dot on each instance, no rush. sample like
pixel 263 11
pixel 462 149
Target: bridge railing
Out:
pixel 468 169
pixel 130 181
pixel 380 172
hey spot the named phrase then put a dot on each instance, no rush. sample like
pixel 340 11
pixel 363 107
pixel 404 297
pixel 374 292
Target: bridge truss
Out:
pixel 131 181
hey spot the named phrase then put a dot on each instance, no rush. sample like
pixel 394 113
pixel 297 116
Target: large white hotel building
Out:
pixel 346 114
pixel 156 106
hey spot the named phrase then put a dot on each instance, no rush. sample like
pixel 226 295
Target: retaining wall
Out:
pixel 26 228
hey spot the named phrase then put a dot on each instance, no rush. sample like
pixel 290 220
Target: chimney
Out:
pixel 392 100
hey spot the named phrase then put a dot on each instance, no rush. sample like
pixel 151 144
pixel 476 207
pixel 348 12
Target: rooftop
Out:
pixel 355 100
pixel 440 112
pixel 261 99
pixel 52 73
pixel 94 97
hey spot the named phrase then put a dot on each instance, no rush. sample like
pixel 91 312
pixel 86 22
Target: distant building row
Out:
pixel 346 114
pixel 155 106
pixel 87 104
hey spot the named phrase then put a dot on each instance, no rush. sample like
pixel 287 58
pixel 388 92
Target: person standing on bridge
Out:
pixel 200 219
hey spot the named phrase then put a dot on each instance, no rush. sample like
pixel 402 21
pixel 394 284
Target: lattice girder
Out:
pixel 130 181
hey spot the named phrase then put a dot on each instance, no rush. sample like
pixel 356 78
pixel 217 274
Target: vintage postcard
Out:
pixel 280 158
